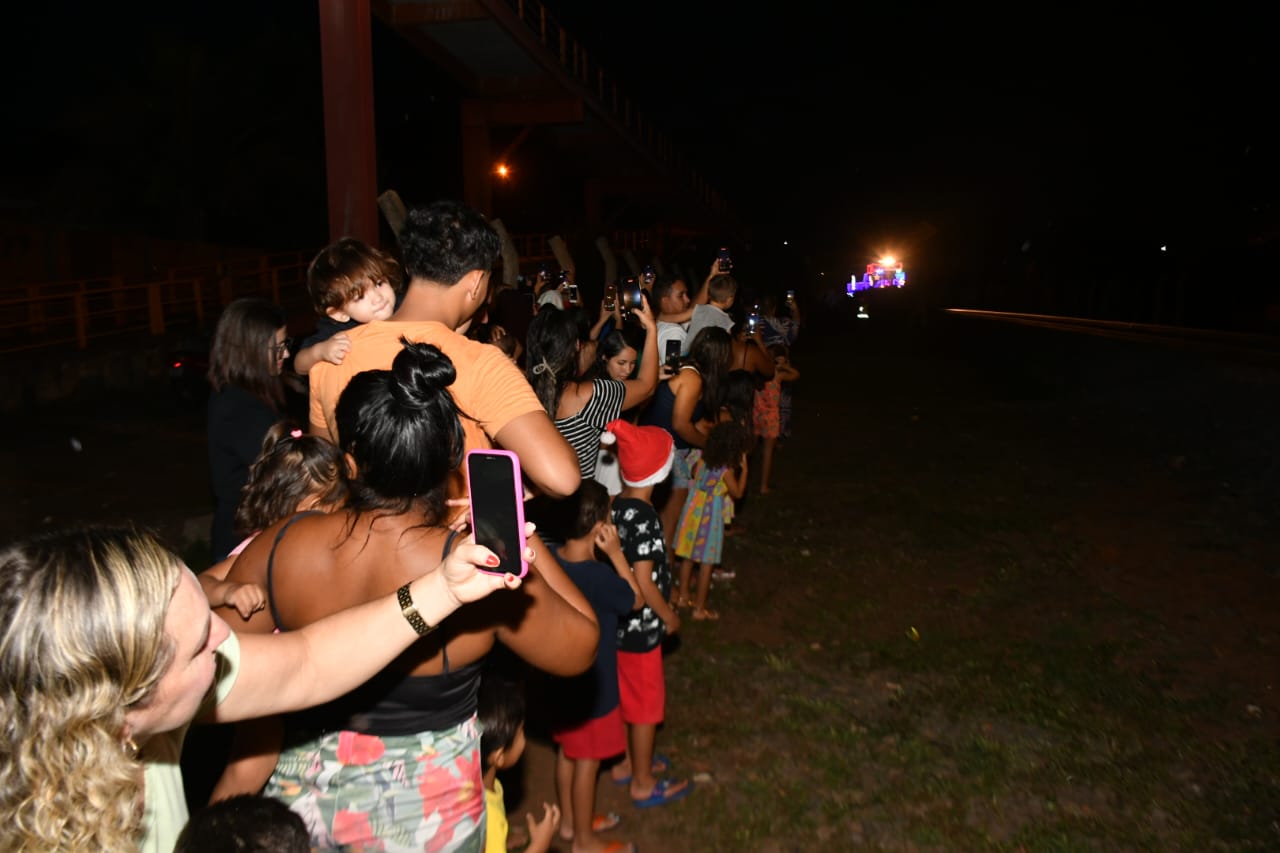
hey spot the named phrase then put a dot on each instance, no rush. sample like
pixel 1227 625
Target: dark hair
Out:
pixel 711 351
pixel 662 287
pixel 289 468
pixel 402 429
pixel 582 321
pixel 241 352
pixel 779 350
pixel 726 443
pixel 551 355
pixel 740 397
pixel 608 347
pixel 246 823
pixel 500 712
pixel 592 502
pixel 722 287
pixel 445 240
pixel 508 344
pixel 342 271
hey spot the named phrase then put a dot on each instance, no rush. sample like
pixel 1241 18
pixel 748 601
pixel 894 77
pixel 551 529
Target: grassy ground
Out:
pixel 1013 591
pixel 992 604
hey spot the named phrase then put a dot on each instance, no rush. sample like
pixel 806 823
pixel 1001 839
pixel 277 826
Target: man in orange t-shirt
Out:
pixel 448 251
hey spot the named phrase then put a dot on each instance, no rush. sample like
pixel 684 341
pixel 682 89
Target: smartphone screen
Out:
pixel 631 294
pixel 573 294
pixel 672 354
pixel 497 507
pixel 723 261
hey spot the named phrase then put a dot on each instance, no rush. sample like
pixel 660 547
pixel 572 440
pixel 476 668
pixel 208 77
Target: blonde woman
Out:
pixel 108 650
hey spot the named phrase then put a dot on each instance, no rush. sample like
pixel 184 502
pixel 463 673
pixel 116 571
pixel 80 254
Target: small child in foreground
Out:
pixel 350 283
pixel 592 729
pixel 295 472
pixel 500 712
pixel 245 824
pixel 645 455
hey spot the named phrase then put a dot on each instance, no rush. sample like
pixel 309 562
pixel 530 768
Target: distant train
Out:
pixel 886 272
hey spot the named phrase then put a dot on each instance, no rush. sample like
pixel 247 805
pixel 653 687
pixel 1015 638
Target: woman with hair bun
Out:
pixel 397 760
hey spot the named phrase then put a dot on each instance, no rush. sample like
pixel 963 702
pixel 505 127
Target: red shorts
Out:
pixel 596 739
pixel 642 687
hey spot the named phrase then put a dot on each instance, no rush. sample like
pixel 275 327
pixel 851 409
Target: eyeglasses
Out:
pixel 281 350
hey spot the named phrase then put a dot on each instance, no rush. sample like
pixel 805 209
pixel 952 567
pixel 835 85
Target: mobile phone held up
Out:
pixel 497 508
pixel 671 357
pixel 610 297
pixel 724 263
pixel 648 276
pixel 631 297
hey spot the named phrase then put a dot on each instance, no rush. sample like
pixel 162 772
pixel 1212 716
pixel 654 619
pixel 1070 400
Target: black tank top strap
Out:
pixel 271 561
pixel 448 543
pixel 444 553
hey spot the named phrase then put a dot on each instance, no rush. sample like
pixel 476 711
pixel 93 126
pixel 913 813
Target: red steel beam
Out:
pixel 346 59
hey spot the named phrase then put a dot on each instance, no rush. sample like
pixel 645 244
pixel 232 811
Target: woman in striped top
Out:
pixel 581 408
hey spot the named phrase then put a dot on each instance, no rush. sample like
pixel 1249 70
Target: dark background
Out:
pixel 1028 159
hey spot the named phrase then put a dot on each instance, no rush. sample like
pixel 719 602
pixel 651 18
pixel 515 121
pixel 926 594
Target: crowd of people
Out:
pixel 370 656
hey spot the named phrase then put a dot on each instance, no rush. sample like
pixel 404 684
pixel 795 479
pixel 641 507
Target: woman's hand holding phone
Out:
pixel 468 573
pixel 497 507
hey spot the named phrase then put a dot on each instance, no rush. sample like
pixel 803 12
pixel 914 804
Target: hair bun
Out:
pixel 421 373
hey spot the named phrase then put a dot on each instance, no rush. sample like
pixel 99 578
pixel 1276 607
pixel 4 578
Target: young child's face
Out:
pixel 378 302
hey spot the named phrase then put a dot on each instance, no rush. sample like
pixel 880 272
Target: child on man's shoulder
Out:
pixel 351 283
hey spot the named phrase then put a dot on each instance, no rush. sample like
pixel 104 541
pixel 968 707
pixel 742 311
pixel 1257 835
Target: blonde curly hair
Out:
pixel 82 641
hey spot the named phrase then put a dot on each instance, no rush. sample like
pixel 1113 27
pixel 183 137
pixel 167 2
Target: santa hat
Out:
pixel 645 453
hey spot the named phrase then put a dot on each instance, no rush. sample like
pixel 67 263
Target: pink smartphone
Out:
pixel 497 507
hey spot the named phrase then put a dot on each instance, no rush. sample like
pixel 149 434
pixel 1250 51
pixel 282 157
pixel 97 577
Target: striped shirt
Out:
pixel 582 430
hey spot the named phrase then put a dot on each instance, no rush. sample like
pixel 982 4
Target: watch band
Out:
pixel 410 612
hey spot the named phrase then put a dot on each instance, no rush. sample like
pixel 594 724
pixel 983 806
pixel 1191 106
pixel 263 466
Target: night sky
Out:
pixel 1061 137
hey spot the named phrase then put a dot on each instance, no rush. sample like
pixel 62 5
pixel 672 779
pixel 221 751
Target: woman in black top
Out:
pixel 248 354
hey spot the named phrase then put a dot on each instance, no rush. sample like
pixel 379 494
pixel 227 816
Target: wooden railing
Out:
pixel 77 313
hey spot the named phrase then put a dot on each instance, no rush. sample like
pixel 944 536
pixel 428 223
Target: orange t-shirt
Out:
pixel 489 389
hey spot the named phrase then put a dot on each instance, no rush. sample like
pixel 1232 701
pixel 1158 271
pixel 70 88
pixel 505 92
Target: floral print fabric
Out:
pixel 399 793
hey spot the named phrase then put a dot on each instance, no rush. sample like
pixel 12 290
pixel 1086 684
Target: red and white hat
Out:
pixel 645 453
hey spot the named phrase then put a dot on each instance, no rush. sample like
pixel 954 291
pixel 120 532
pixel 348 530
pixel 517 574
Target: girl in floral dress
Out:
pixel 719 476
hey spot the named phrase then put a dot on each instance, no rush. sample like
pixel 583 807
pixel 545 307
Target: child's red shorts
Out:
pixel 642 687
pixel 598 738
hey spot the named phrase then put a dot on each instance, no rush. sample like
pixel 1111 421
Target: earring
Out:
pixel 130 748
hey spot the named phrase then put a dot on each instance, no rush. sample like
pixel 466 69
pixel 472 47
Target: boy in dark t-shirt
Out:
pixel 645 455
pixel 593 730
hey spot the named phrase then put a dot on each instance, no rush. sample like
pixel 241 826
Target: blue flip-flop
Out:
pixel 661 794
pixel 660 764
